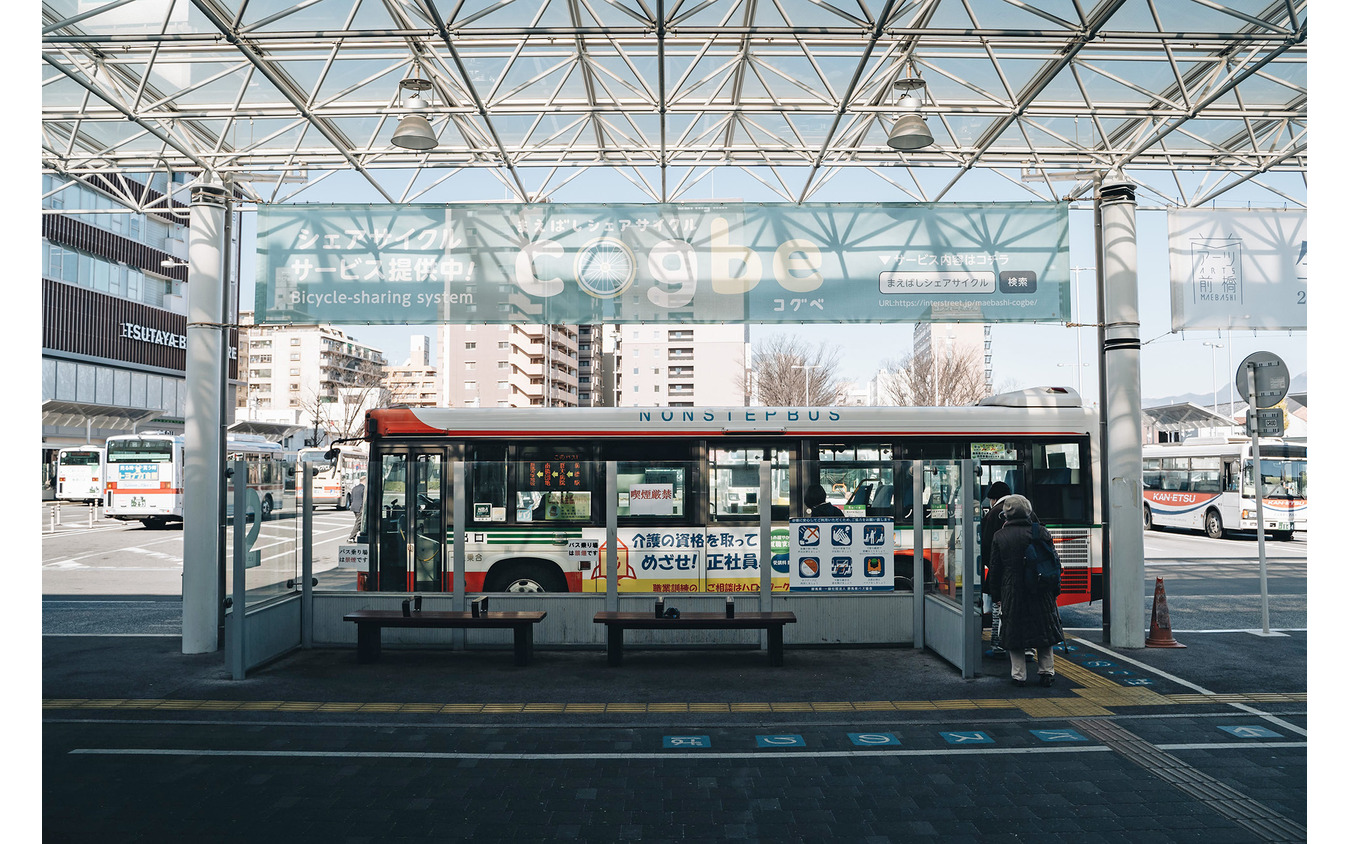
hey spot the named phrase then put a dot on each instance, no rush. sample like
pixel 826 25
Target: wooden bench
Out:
pixel 370 622
pixel 773 622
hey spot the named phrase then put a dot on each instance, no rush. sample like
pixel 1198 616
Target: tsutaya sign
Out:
pixel 596 263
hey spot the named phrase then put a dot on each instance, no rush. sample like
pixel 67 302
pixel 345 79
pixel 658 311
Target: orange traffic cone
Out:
pixel 1160 629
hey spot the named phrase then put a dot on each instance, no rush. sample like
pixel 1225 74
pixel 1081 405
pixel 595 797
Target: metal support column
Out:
pixel 611 536
pixel 970 607
pixel 203 472
pixel 307 556
pixel 239 583
pixel 1123 414
pixel 765 542
pixel 918 582
pixel 459 601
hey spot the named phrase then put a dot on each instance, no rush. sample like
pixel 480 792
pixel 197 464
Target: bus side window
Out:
pixel 1056 488
pixel 487 484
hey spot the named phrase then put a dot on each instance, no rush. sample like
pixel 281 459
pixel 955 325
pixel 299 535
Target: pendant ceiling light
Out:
pixel 910 131
pixel 414 131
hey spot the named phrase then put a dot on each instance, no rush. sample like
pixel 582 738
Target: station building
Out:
pixel 114 311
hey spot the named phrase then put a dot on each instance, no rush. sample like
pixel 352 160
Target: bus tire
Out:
pixel 1214 525
pixel 1148 517
pixel 345 503
pixel 1282 535
pixel 525 576
pixel 154 523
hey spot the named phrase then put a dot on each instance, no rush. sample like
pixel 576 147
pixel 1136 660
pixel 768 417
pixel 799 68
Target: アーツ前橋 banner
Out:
pixel 1238 268
pixel 598 263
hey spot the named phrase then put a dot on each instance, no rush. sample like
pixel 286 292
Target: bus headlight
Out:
pixel 1247 514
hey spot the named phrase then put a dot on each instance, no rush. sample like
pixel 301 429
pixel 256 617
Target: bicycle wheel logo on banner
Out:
pixel 605 267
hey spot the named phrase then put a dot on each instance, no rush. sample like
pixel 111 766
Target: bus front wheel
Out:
pixel 1283 535
pixel 1214 525
pixel 525 577
pixel 1148 518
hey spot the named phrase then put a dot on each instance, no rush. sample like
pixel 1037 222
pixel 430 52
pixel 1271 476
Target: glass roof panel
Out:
pixel 522 58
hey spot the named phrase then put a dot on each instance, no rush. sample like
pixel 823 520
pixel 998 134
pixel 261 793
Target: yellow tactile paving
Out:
pixel 1093 694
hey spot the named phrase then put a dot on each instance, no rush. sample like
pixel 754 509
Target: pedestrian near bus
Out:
pixel 357 503
pixel 993 520
pixel 1030 618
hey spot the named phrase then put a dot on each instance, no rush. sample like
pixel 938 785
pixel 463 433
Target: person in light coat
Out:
pixel 1030 620
pixel 358 502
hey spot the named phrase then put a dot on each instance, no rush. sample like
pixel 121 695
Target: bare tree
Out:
pixel 339 410
pixel 928 380
pixel 789 371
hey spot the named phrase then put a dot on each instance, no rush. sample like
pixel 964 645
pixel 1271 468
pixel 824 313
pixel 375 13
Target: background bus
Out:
pixel 335 479
pixel 145 475
pixel 79 473
pixel 688 490
pixel 1208 485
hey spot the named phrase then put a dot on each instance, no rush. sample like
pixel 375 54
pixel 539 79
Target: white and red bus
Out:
pixel 334 481
pixel 145 475
pixel 79 473
pixel 688 487
pixel 1208 485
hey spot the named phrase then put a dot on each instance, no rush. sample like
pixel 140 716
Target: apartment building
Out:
pixel 510 365
pixel 312 375
pixel 682 365
pixel 114 324
pixel 944 339
pixel 416 383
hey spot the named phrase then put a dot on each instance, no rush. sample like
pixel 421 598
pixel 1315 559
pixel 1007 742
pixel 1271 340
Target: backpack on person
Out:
pixel 1041 567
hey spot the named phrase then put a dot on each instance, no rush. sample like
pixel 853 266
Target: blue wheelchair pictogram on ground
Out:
pixel 780 741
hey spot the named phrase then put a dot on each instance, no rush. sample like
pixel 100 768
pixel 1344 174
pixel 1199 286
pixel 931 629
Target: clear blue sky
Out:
pixel 1025 355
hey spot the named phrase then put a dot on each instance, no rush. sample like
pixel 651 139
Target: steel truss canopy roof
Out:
pixel 556 98
pixel 1186 416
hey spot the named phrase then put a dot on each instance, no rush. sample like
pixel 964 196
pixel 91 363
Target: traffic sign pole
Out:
pixel 1260 496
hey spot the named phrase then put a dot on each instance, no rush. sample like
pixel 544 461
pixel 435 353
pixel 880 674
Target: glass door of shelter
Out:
pixel 410 555
pixel 948 524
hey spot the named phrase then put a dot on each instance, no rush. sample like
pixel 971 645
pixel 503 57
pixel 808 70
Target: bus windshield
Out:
pixel 1283 478
pixel 140 451
pixel 313 457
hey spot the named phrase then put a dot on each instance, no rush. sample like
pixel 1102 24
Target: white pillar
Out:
pixel 1123 414
pixel 204 453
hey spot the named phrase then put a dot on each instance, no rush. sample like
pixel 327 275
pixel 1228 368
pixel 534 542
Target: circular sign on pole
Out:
pixel 1272 379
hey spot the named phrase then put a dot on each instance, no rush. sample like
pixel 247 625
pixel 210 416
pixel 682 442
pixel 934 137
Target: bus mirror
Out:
pixel 331 454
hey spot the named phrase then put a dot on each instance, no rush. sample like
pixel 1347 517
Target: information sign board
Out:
pixel 841 555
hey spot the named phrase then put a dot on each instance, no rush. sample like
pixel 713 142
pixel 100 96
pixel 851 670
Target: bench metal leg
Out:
pixel 367 642
pixel 524 643
pixel 615 644
pixel 775 644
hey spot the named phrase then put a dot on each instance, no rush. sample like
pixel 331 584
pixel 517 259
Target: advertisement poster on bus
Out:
pixel 591 263
pixel 841 555
pixel 689 560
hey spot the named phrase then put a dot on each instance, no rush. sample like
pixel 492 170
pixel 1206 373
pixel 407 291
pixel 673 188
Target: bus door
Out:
pixel 410 493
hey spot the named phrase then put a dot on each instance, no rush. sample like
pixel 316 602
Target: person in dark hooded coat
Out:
pixel 989 525
pixel 1030 619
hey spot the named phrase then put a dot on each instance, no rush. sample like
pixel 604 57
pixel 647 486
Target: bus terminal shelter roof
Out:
pixel 1185 416
pixel 1188 99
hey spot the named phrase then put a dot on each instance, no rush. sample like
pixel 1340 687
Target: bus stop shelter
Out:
pixel 248 104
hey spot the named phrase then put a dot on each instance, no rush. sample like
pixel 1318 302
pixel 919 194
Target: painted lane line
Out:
pixel 1201 689
pixel 563 757
pixel 668 754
